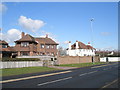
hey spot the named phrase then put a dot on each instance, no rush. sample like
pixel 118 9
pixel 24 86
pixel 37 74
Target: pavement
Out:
pixel 102 76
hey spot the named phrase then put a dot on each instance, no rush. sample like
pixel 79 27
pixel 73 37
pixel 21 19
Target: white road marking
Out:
pixel 54 81
pixel 99 66
pixel 110 83
pixel 92 72
pixel 12 80
pixel 107 68
pixel 82 74
pixel 87 73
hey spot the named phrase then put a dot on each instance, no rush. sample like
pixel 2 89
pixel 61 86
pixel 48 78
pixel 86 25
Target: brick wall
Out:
pixel 76 59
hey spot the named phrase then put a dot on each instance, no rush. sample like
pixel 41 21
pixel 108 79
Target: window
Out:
pixel 24 53
pixel 52 46
pixel 24 44
pixel 4 46
pixel 52 53
pixel 42 46
pixel 47 46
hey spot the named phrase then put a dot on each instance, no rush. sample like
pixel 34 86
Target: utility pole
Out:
pixel 91 21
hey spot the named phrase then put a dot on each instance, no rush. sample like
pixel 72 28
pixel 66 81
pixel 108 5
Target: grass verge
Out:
pixel 25 70
pixel 82 64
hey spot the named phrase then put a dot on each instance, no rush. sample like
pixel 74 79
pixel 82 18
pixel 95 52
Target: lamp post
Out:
pixel 91 21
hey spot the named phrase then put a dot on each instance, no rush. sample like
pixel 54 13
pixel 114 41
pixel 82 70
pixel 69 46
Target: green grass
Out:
pixel 25 70
pixel 81 64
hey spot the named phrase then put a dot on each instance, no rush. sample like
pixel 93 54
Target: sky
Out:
pixel 62 21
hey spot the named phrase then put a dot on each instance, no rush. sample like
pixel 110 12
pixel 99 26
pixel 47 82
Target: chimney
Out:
pixel 89 43
pixel 69 45
pixel 77 44
pixel 46 35
pixel 22 34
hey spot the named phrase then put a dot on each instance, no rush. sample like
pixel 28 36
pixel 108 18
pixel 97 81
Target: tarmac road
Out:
pixel 101 76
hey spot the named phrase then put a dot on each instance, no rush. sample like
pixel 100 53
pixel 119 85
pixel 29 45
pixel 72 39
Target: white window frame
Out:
pixel 52 46
pixel 24 44
pixel 42 46
pixel 47 46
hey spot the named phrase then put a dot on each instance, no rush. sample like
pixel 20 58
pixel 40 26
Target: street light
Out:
pixel 91 21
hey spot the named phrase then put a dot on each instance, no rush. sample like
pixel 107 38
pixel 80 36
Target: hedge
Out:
pixel 20 59
pixel 113 55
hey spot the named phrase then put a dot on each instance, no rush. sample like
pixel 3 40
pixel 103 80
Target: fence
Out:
pixel 110 59
pixel 20 64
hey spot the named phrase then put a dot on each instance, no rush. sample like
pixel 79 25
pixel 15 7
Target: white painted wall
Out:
pixel 71 52
pixel 110 59
pixel 80 52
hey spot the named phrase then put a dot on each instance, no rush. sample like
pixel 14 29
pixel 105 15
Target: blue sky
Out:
pixel 65 21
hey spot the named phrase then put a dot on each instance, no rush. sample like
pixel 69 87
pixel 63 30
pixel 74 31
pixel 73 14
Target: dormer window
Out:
pixel 4 46
pixel 24 44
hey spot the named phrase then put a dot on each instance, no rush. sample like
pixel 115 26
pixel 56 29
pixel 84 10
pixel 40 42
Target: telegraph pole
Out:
pixel 91 21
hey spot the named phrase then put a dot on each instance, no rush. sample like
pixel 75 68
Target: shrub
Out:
pixel 20 59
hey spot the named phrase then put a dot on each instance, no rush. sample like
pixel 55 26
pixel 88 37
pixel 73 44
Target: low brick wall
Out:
pixel 76 59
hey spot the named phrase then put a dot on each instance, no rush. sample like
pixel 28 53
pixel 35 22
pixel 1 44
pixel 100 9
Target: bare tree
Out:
pixel 61 51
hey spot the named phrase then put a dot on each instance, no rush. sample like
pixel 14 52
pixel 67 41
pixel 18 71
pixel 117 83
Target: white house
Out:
pixel 80 49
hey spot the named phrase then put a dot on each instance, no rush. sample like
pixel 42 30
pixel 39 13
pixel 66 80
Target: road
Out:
pixel 103 76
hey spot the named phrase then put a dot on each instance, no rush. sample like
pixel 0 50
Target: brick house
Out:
pixel 32 46
pixel 6 50
pixel 46 46
pixel 26 46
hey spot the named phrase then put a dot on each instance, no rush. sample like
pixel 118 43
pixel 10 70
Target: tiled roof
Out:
pixel 3 42
pixel 9 49
pixel 27 37
pixel 46 41
pixel 89 47
pixel 81 46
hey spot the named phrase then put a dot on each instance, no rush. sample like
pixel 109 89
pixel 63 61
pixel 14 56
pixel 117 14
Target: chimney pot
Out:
pixel 69 45
pixel 22 34
pixel 89 43
pixel 46 35
pixel 77 44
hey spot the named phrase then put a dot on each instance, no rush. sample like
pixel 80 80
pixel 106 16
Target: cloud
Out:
pixel 105 33
pixel 30 24
pixel 65 42
pixel 11 35
pixel 3 8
